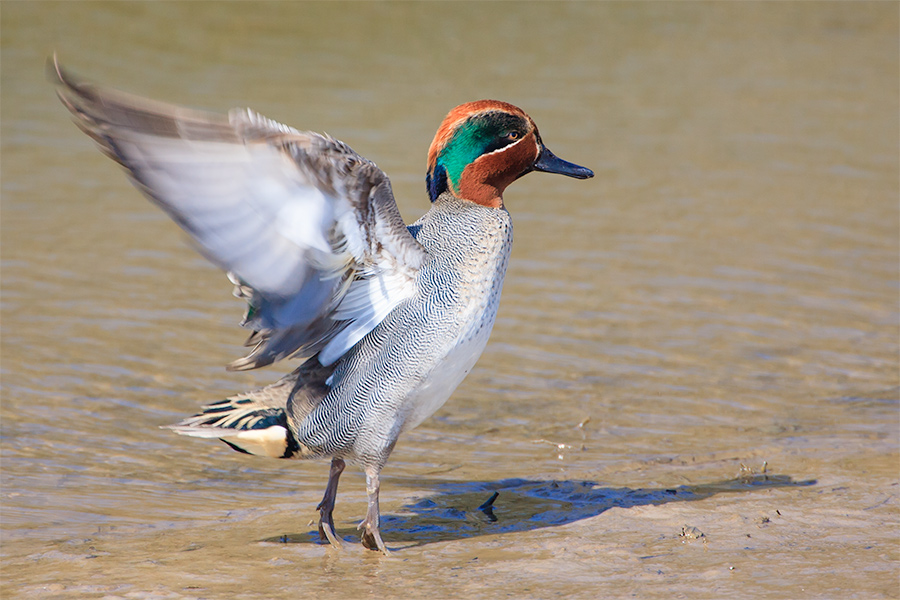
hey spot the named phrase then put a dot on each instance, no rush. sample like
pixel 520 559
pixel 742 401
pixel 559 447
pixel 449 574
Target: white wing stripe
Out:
pixel 365 305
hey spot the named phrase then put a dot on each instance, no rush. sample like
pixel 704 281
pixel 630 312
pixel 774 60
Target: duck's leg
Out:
pixel 371 537
pixel 326 506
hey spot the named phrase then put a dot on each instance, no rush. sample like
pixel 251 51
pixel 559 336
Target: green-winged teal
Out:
pixel 388 318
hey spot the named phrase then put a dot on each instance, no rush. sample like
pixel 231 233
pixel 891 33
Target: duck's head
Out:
pixel 481 147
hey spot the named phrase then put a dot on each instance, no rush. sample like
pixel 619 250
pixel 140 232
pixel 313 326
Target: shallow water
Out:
pixel 692 386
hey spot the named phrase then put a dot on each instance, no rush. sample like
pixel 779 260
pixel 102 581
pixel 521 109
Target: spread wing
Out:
pixel 307 229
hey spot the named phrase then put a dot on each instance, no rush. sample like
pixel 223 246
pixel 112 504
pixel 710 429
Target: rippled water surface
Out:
pixel 692 386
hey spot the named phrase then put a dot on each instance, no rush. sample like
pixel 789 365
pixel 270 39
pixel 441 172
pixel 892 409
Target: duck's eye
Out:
pixel 512 135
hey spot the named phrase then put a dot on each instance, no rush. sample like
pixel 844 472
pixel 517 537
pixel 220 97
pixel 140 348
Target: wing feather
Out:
pixel 307 229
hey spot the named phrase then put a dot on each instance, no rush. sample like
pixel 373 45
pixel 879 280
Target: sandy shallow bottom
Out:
pixel 690 527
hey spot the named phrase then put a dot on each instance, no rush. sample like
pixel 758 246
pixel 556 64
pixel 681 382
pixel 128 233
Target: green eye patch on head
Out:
pixel 483 133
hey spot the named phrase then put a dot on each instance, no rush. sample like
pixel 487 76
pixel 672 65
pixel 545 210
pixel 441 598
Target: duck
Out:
pixel 385 319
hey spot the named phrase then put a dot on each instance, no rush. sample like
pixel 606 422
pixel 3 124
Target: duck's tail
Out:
pixel 253 423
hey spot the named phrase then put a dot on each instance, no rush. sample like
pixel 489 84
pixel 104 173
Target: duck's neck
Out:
pixel 481 193
pixel 454 202
pixel 476 184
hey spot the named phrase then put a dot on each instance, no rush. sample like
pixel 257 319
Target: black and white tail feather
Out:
pixel 253 423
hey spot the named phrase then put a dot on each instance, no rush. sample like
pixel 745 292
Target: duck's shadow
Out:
pixel 463 509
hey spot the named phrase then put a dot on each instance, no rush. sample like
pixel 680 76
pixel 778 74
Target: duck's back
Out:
pixel 407 367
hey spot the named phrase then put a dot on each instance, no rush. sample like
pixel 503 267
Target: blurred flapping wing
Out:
pixel 307 229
